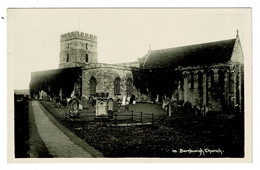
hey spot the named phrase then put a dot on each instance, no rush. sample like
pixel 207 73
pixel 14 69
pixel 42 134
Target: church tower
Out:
pixel 77 49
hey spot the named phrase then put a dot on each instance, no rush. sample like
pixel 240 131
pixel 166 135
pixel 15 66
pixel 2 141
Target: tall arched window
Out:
pixel 93 85
pixel 212 82
pixel 68 46
pixel 221 79
pixel 68 57
pixel 86 58
pixel 181 83
pixel 129 86
pixel 191 80
pixel 86 46
pixel 117 86
pixel 200 79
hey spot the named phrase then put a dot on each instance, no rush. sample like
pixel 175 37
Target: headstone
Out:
pixel 73 108
pixel 124 100
pixel 80 106
pixel 175 107
pixel 163 104
pixel 40 95
pixel 110 108
pixel 101 108
pixel 157 98
pixel 128 99
pixel 169 110
pixel 101 104
pixel 110 105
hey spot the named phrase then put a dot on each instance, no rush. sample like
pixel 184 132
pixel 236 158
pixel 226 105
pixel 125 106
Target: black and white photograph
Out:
pixel 143 83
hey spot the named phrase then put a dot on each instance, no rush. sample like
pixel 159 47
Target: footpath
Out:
pixel 59 141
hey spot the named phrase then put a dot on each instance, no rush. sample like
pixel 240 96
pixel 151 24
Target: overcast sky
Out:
pixel 123 34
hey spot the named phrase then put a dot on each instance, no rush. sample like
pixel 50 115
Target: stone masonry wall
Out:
pixel 212 96
pixel 105 75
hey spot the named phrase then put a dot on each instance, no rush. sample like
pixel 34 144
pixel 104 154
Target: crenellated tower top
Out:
pixel 78 35
pixel 77 49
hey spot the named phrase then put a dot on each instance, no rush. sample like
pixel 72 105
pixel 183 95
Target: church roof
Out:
pixel 191 55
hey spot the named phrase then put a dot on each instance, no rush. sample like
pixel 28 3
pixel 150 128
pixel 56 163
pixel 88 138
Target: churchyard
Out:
pixel 181 135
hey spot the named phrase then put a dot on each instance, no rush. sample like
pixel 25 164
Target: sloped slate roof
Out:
pixel 56 78
pixel 192 55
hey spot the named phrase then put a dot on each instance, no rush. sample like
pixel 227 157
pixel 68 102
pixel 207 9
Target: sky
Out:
pixel 124 35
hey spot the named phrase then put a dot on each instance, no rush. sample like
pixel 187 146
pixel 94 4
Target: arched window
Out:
pixel 200 79
pixel 68 57
pixel 68 46
pixel 86 46
pixel 86 58
pixel 129 86
pixel 212 82
pixel 93 85
pixel 181 83
pixel 191 80
pixel 117 86
pixel 221 79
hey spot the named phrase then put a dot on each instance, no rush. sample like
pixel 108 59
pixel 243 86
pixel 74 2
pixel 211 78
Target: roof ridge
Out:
pixel 196 54
pixel 194 44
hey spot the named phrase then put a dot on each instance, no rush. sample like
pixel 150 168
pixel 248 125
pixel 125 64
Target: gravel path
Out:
pixel 57 143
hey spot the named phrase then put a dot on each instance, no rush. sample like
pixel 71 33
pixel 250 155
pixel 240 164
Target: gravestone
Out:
pixel 124 100
pixel 110 108
pixel 101 105
pixel 73 108
pixel 101 108
pixel 110 104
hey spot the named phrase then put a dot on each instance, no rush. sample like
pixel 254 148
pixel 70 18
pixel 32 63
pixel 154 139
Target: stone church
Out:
pixel 78 50
pixel 209 75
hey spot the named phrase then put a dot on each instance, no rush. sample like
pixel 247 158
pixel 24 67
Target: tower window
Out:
pixel 68 57
pixel 86 46
pixel 68 46
pixel 86 58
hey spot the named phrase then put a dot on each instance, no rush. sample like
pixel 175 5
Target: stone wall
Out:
pixel 237 54
pixel 219 96
pixel 105 75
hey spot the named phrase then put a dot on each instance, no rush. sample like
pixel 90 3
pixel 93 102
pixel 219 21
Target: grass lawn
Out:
pixel 219 135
